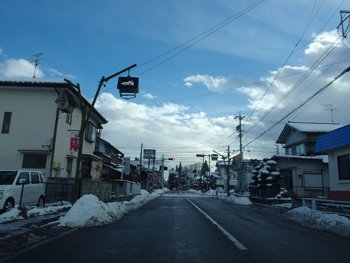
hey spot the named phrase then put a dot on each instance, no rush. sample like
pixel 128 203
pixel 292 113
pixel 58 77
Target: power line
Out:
pixel 307 73
pixel 301 105
pixel 285 62
pixel 201 37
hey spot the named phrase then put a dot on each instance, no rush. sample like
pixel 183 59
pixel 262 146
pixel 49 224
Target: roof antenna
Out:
pixel 37 60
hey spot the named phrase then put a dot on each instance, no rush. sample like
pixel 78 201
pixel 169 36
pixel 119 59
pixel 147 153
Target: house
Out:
pixel 36 134
pixel 244 174
pixel 337 145
pixel 111 160
pixel 304 173
pixel 224 168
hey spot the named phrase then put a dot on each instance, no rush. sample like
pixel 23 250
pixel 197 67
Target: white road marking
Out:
pixel 227 234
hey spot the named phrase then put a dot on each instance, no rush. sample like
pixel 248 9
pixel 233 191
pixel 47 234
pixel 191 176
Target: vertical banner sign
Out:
pixel 127 165
pixel 74 141
pixel 237 162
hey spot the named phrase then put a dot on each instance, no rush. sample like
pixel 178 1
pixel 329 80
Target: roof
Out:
pixel 32 82
pixel 48 83
pixel 334 139
pixel 323 158
pixel 306 127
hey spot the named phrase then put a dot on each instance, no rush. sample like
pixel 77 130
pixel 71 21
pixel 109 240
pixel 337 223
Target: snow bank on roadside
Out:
pixel 89 211
pixel 238 200
pixel 333 223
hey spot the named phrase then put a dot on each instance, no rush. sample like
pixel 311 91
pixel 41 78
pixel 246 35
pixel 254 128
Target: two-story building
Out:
pixel 304 173
pixel 36 134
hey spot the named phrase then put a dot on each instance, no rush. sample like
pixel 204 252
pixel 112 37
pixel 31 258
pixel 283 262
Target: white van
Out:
pixel 11 183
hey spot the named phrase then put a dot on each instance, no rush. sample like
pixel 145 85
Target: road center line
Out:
pixel 227 234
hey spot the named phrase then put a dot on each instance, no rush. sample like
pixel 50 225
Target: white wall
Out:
pixel 32 123
pixel 335 183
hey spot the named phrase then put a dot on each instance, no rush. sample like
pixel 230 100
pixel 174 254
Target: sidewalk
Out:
pixel 19 234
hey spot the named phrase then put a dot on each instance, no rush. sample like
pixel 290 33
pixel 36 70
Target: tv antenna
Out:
pixel 331 109
pixel 37 61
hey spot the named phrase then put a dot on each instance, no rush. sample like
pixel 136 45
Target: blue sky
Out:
pixel 206 61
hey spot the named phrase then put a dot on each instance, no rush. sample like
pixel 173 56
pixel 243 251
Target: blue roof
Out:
pixel 332 140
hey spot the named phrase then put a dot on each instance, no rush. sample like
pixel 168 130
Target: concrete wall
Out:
pixel 101 189
pixel 135 189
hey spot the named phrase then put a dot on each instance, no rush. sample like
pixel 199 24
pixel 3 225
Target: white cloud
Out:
pixel 213 84
pixel 188 84
pixel 149 96
pixel 1 51
pixel 168 125
pixel 54 73
pixel 19 68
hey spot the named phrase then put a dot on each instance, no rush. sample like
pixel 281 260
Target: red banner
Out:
pixel 74 141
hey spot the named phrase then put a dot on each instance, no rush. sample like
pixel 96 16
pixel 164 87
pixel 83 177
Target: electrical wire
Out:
pixel 301 105
pixel 201 37
pixel 285 62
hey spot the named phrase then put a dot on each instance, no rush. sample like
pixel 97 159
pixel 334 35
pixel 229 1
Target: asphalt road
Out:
pixel 185 227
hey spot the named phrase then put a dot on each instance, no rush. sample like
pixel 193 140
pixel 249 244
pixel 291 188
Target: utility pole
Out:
pixel 228 170
pixel 141 160
pixel 239 129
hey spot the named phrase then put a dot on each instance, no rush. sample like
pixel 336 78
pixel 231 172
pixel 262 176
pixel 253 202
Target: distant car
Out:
pixel 174 189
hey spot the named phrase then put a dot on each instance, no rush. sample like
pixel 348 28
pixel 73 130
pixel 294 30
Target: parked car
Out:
pixel 174 189
pixel 11 184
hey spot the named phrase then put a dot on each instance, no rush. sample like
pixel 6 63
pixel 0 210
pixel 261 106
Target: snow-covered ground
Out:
pixel 89 211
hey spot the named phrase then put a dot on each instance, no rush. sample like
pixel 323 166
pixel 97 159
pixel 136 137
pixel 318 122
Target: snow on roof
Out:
pixel 324 158
pixel 320 127
pixel 314 126
pixel 33 80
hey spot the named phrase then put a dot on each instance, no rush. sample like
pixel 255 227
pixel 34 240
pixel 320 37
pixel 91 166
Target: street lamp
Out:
pixel 84 121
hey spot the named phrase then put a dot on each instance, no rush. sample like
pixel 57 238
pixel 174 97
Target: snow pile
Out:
pixel 238 200
pixel 233 198
pixel 333 223
pixel 89 211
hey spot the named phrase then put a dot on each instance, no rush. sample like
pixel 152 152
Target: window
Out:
pixel 6 122
pixel 34 161
pixel 35 177
pixel 69 167
pixel 344 167
pixel 69 118
pixel 296 150
pixel 90 133
pixel 23 178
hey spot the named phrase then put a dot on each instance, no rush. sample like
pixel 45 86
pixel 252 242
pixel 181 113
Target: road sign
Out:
pixel 127 165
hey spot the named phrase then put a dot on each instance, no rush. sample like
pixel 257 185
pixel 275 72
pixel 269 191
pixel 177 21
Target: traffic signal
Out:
pixel 172 159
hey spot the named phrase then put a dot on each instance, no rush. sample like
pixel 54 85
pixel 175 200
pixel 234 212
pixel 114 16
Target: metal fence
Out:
pixel 328 206
pixel 61 189
pixel 311 192
pixel 59 192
